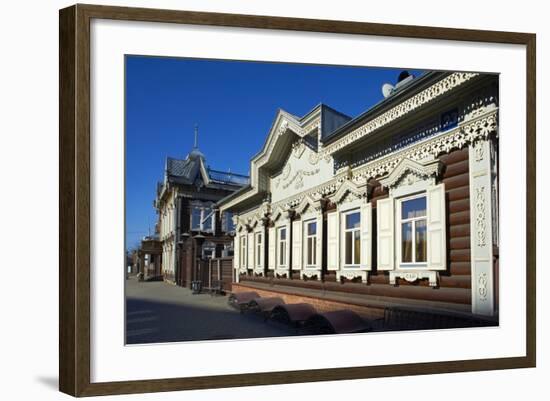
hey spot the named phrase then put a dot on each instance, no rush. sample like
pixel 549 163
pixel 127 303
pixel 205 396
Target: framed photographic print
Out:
pixel 250 200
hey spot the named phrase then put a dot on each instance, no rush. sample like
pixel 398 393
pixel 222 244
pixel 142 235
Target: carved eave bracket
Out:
pixel 410 171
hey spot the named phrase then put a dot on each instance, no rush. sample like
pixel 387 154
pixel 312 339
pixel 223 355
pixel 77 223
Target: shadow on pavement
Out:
pixel 151 321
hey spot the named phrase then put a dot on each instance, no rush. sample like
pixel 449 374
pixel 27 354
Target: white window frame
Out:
pixel 281 255
pixel 344 230
pixel 243 251
pixel 398 232
pixel 258 238
pixel 307 237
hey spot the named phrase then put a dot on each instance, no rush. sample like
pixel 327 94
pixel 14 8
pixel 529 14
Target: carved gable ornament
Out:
pixel 308 203
pixel 281 211
pixel 409 172
pixel 347 191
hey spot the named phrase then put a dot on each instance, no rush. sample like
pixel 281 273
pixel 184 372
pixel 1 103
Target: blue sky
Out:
pixel 232 102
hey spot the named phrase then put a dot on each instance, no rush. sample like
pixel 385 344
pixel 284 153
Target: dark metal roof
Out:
pixel 187 170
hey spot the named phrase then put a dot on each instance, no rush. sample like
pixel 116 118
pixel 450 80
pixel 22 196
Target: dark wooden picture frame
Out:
pixel 74 203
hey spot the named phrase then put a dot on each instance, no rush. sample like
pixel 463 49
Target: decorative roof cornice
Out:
pixel 427 95
pixel 479 128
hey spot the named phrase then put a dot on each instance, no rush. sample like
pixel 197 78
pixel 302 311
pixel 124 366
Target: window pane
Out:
pixel 195 218
pixel 283 234
pixel 357 248
pixel 314 251
pixel 312 228
pixel 406 242
pixel 413 208
pixel 259 238
pixel 309 249
pixel 229 226
pixel 420 239
pixel 352 220
pixel 207 224
pixel 348 245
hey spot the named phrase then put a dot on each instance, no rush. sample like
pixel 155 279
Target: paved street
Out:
pixel 160 312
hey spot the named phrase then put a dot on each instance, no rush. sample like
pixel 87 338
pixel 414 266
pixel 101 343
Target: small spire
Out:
pixel 196 136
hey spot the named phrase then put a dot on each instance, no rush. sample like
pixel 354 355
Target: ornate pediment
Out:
pixel 308 203
pixel 281 211
pixel 408 172
pixel 348 190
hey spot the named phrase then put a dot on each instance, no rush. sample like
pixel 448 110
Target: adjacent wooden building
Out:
pixel 191 228
pixel 398 205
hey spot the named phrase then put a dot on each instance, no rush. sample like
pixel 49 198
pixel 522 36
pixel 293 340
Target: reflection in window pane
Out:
pixel 406 242
pixel 312 228
pixel 352 220
pixel 420 239
pixel 309 251
pixel 349 244
pixel 195 218
pixel 413 208
pixel 207 224
pixel 314 251
pixel 357 248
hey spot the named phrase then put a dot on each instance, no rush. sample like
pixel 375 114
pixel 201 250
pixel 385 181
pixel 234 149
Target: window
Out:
pixel 207 216
pixel 228 225
pixel 243 251
pixel 282 246
pixel 311 243
pixel 413 231
pixel 196 218
pixel 259 249
pixel 352 238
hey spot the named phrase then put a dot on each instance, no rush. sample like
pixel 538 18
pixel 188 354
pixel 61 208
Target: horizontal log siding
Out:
pixel 454 284
pixel 456 179
pixel 457 294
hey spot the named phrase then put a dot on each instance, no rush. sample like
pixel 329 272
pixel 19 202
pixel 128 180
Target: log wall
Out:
pixel 454 283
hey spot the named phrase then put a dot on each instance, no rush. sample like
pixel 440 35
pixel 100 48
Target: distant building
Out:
pixel 150 255
pixel 190 228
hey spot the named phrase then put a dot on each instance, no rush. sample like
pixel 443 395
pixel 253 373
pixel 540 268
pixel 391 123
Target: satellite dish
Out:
pixel 387 89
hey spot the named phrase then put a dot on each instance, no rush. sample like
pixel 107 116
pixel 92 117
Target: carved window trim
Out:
pixel 400 265
pixel 306 247
pixel 352 206
pixel 282 253
pixel 258 255
pixel 243 251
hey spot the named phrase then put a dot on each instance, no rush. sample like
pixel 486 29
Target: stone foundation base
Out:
pixel 321 305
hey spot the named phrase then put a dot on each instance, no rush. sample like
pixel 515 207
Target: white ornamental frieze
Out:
pixel 426 96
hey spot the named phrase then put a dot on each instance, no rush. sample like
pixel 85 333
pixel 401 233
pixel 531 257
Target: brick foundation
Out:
pixel 321 305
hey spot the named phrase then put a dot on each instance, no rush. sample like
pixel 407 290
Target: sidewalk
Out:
pixel 159 312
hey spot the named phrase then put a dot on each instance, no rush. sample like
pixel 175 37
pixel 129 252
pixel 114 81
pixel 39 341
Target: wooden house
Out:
pixel 191 228
pixel 397 206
